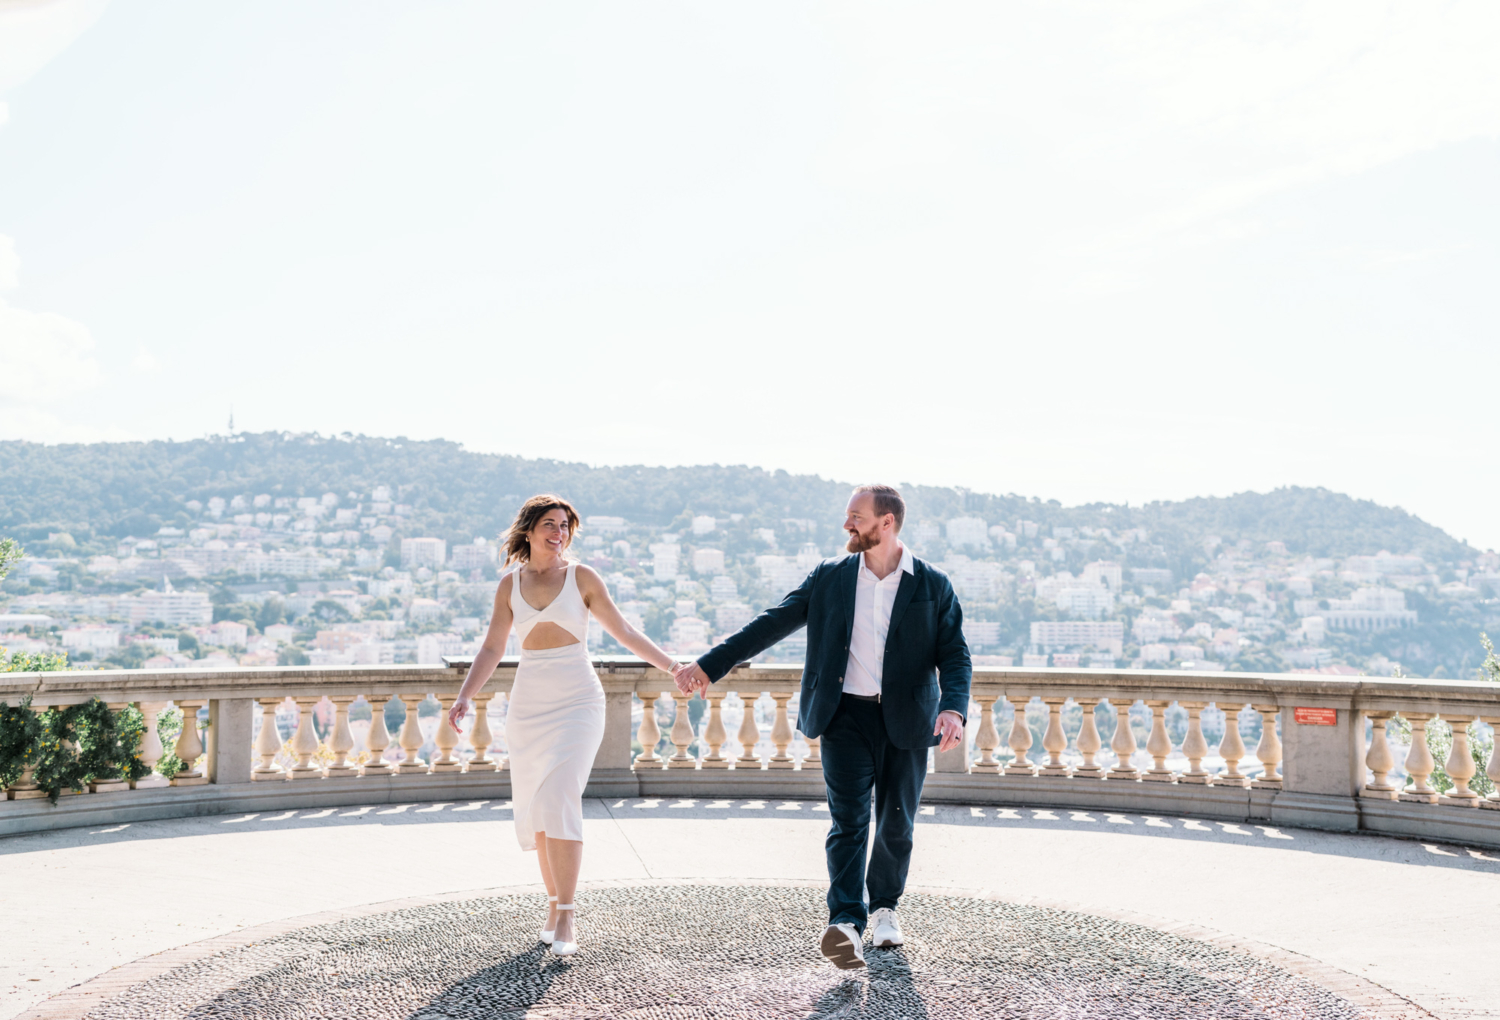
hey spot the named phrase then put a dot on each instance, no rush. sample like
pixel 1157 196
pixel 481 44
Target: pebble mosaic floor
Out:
pixel 727 953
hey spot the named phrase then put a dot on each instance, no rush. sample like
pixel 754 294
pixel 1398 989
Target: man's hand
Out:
pixel 690 678
pixel 950 725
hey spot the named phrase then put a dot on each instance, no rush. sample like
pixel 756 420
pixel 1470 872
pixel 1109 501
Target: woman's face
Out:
pixel 551 533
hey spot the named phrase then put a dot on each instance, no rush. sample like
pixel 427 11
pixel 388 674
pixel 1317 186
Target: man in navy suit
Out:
pixel 887 677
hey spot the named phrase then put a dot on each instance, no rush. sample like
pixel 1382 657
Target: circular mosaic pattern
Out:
pixel 727 953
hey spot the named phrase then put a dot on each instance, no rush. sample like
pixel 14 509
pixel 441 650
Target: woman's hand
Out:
pixel 459 710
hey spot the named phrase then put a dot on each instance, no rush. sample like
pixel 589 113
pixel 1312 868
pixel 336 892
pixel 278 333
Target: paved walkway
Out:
pixel 1417 919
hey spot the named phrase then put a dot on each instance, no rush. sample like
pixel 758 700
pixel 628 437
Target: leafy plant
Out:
pixel 1489 669
pixel 10 554
pixel 20 729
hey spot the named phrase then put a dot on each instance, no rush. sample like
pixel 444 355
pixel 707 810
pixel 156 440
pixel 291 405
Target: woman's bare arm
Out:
pixel 489 654
pixel 596 597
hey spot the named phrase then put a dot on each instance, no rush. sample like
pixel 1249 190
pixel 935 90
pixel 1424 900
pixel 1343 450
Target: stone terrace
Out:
pixel 1090 891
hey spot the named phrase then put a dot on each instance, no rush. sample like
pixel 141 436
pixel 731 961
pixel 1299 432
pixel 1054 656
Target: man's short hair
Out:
pixel 887 501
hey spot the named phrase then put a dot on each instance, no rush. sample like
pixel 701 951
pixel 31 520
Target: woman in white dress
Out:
pixel 556 717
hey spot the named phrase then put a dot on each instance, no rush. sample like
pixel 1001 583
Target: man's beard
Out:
pixel 859 543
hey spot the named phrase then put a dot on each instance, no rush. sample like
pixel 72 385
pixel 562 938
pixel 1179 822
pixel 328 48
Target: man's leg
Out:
pixel 849 772
pixel 899 775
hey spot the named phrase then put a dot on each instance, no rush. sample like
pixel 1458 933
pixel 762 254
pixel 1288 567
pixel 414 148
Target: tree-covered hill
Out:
pixel 101 489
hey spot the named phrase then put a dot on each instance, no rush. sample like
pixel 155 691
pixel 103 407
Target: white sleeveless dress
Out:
pixel 555 721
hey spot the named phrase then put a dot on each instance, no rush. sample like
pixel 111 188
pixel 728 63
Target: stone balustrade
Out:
pixel 1289 751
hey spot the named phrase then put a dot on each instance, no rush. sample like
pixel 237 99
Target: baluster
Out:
pixel 377 740
pixel 305 741
pixel 267 743
pixel 411 737
pixel 682 734
pixel 446 738
pixel 781 734
pixel 189 747
pixel 648 734
pixel 1123 743
pixel 1089 742
pixel 24 788
pixel 1493 769
pixel 1159 745
pixel 481 737
pixel 749 734
pixel 1419 763
pixel 1231 748
pixel 988 737
pixel 1054 740
pixel 1379 759
pixel 1194 747
pixel 118 783
pixel 1268 751
pixel 1461 767
pixel 814 759
pixel 151 747
pixel 341 740
pixel 714 734
pixel 1020 738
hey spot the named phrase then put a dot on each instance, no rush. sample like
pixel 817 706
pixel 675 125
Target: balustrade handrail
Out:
pixel 628 672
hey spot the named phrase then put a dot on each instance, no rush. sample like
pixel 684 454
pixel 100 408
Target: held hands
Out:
pixel 950 726
pixel 690 677
pixel 459 710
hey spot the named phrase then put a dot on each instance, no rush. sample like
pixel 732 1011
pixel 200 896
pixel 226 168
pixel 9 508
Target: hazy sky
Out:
pixel 1074 250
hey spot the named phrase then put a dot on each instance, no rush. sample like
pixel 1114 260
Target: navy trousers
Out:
pixel 858 758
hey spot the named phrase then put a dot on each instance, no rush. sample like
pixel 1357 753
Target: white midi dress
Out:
pixel 555 721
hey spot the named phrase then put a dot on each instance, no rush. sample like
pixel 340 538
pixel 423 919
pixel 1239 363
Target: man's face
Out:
pixel 866 530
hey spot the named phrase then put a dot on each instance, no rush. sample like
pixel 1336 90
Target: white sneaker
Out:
pixel 885 929
pixel 843 946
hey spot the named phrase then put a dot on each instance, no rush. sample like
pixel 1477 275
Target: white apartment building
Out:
pixel 423 552
pixel 475 555
pixel 1370 609
pixel 1105 573
pixel 708 561
pixel 606 525
pixel 1148 629
pixel 703 524
pixel 1153 653
pixel 1107 635
pixel 982 633
pixel 664 559
pixel 689 634
pixel 91 638
pixel 1150 575
pixel 968 531
pixel 177 608
pixel 731 616
pixel 1091 603
pixel 979 580
pixel 423 609
pixel 723 589
pixel 226 634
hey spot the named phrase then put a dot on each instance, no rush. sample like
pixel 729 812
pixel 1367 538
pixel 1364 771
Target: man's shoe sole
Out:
pixel 889 944
pixel 837 948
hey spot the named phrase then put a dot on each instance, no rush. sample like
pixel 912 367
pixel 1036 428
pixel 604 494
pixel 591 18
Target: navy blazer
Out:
pixel 926 669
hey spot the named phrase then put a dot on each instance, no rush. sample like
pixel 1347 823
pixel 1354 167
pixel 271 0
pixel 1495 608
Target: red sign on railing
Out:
pixel 1316 716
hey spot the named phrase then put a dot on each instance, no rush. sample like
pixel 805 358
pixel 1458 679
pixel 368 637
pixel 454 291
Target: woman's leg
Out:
pixel 548 880
pixel 564 860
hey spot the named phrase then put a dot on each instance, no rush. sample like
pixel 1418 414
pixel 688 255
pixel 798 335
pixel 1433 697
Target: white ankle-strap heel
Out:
pixel 565 948
pixel 549 933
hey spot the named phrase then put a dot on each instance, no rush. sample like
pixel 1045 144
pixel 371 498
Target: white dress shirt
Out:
pixel 873 600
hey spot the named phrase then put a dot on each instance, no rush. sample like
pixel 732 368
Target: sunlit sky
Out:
pixel 1083 251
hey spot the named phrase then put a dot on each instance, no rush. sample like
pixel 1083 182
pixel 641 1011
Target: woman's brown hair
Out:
pixel 532 511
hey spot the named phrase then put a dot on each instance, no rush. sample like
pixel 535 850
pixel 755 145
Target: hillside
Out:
pixel 116 489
